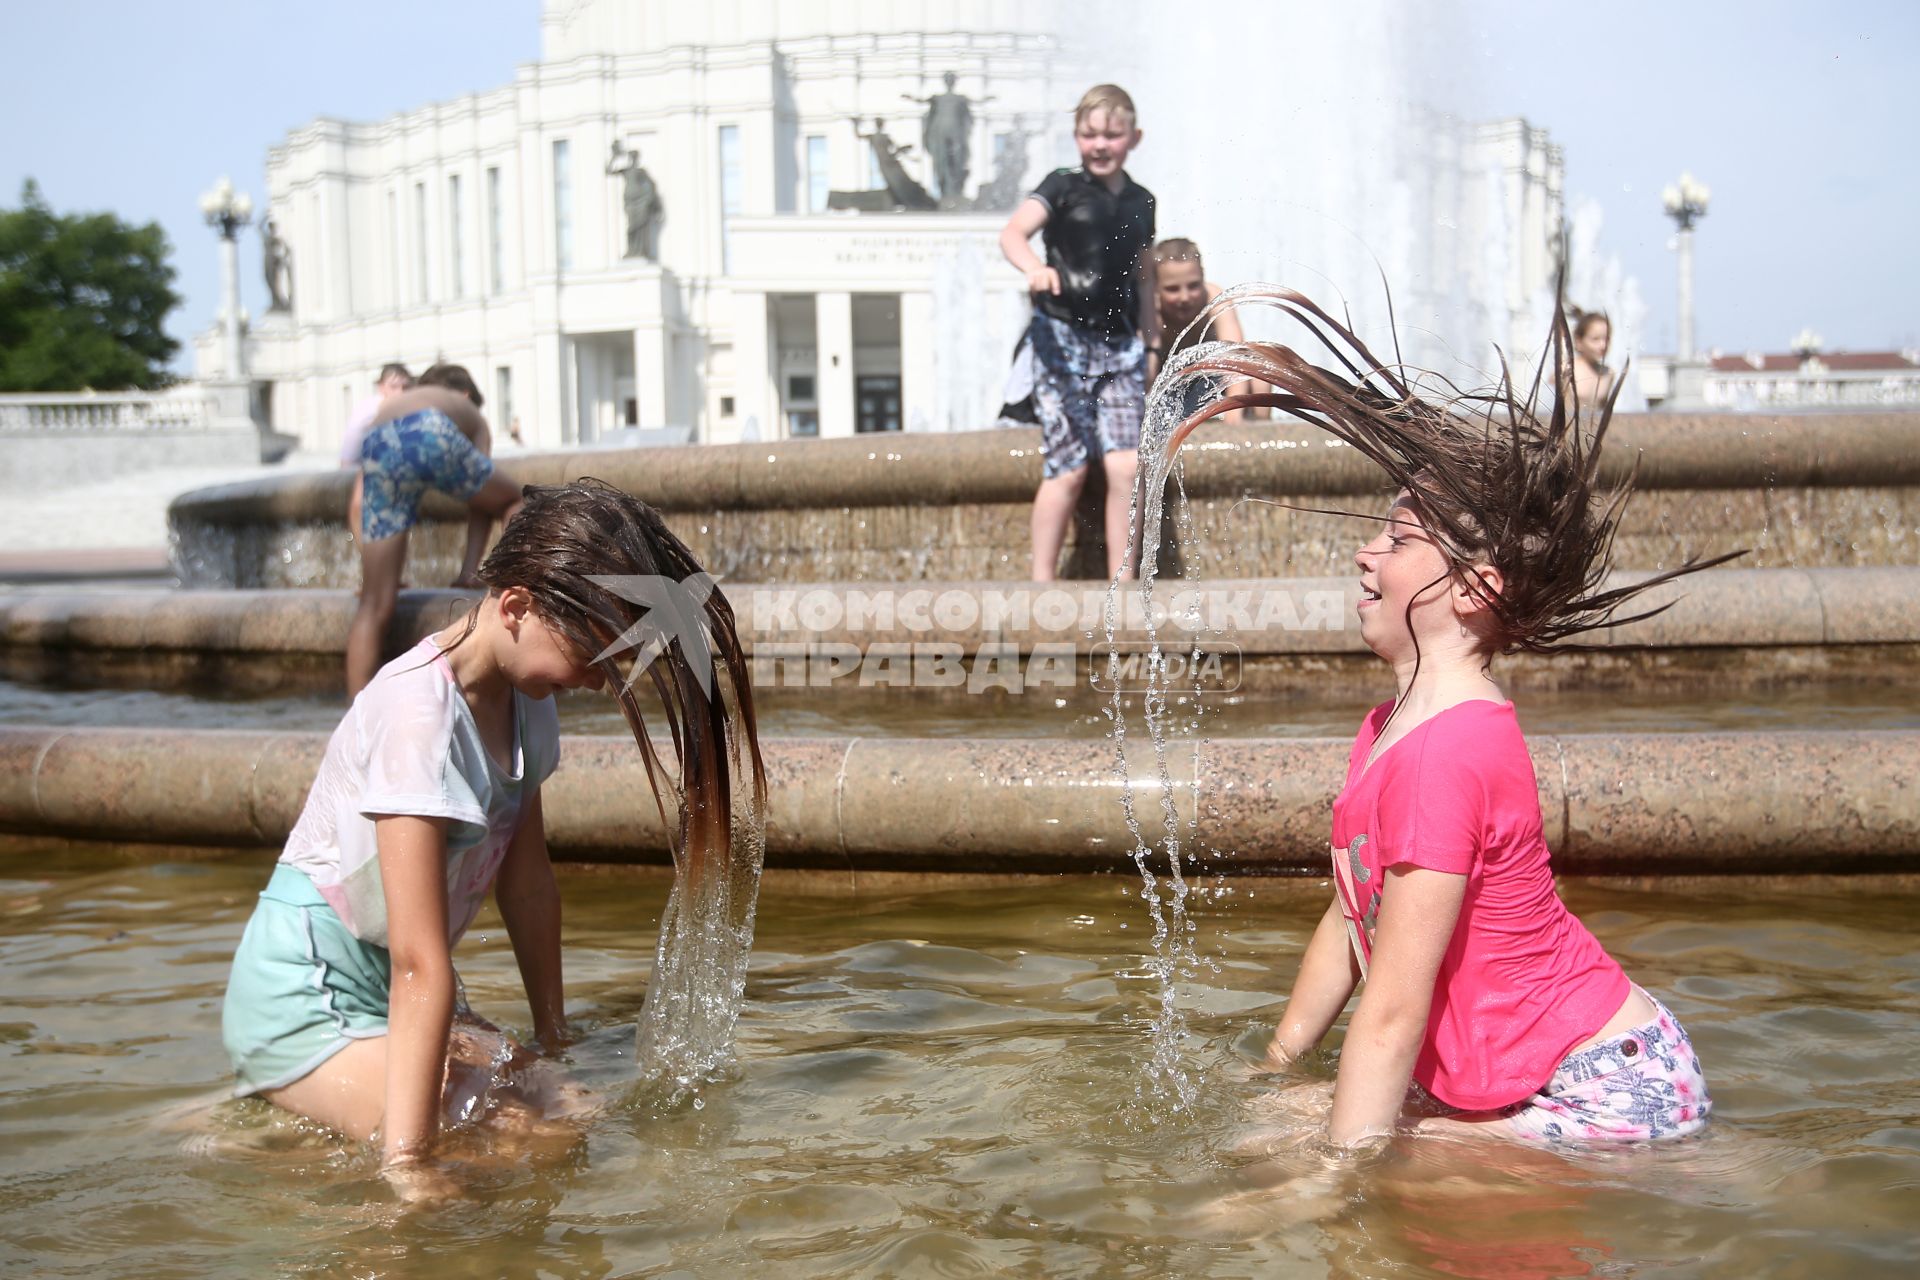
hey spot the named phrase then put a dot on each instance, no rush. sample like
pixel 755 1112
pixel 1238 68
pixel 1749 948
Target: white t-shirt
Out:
pixel 359 422
pixel 409 745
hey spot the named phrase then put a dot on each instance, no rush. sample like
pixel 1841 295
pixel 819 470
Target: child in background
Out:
pixel 1589 378
pixel 341 1003
pixel 1181 292
pixel 1479 985
pixel 1092 322
pixel 394 378
pixel 429 437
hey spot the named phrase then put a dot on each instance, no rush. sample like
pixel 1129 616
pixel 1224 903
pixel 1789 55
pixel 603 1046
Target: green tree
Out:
pixel 83 298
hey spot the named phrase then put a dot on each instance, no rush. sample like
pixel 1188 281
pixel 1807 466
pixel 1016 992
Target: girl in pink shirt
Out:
pixel 1477 984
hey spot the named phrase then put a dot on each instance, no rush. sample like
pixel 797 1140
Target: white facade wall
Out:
pixel 380 274
pixel 742 304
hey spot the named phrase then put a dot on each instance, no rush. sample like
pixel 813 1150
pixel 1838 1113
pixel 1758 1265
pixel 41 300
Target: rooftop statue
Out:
pixel 947 136
pixel 901 192
pixel 276 264
pixel 641 199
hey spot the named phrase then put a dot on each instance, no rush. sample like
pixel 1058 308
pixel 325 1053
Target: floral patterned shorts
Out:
pixel 1643 1084
pixel 402 459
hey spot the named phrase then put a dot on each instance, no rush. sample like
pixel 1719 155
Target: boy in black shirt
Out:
pixel 1092 318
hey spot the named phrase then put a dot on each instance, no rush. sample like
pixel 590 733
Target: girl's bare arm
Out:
pixel 1418 911
pixel 529 902
pixel 413 872
pixel 1327 977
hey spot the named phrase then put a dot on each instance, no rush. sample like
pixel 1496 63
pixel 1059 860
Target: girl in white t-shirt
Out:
pixel 342 1002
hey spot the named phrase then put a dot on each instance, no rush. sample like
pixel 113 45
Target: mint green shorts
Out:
pixel 302 989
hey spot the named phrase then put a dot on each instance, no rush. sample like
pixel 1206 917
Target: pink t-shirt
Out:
pixel 1523 981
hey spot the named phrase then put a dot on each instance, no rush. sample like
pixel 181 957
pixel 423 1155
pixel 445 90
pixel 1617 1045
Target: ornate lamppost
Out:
pixel 1686 203
pixel 227 211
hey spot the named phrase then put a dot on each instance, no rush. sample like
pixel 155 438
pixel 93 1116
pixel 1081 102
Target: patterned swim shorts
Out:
pixel 1643 1084
pixel 1089 392
pixel 402 459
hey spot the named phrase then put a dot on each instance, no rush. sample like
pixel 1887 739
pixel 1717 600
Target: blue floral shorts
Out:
pixel 402 459
pixel 1089 392
pixel 1643 1084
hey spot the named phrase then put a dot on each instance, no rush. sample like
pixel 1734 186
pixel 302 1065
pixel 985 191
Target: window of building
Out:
pixel 394 252
pixel 816 173
pixel 562 205
pixel 496 234
pixel 800 386
pixel 730 183
pixel 420 282
pixel 456 242
pixel 803 422
pixel 503 413
pixel 726 406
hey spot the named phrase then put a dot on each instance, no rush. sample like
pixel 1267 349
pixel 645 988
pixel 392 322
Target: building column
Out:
pixel 918 395
pixel 833 342
pixel 547 424
pixel 752 376
pixel 650 374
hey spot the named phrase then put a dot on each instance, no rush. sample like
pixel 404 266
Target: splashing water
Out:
pixel 685 1037
pixel 1165 892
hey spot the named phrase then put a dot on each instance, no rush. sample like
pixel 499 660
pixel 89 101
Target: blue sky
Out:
pixel 1798 116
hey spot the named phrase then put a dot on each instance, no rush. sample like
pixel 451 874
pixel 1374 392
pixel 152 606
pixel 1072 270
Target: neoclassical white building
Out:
pixel 489 231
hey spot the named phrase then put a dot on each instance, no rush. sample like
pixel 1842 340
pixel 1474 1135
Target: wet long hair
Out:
pixel 1494 482
pixel 562 540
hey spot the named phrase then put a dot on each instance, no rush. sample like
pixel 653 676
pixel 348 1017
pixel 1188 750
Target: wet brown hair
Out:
pixel 1493 482
pixel 454 377
pixel 1585 320
pixel 562 539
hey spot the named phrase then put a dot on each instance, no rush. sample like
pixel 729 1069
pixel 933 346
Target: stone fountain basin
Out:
pixel 1804 802
pixel 1807 490
pixel 983 797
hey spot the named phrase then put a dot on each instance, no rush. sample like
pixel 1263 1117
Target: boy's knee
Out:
pixel 1072 481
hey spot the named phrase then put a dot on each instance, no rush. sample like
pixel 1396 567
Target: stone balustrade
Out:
pixel 63 413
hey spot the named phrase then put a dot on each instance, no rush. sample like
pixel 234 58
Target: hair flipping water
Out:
pixel 1494 483
pixel 560 541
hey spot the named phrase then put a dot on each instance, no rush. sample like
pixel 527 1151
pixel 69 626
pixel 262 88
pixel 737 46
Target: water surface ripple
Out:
pixel 941 1080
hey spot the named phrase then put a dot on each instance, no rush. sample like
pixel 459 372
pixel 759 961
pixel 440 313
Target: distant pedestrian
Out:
pixel 1590 380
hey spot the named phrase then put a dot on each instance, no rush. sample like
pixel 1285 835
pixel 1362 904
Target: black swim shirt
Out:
pixel 1094 238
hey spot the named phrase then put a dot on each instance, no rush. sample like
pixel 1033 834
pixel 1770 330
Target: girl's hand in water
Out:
pixel 1043 280
pixel 1277 1060
pixel 417 1181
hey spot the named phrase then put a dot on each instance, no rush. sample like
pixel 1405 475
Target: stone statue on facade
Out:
pixel 276 264
pixel 1004 190
pixel 641 199
pixel 901 192
pixel 947 136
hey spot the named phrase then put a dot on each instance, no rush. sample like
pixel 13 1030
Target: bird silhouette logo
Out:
pixel 674 611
